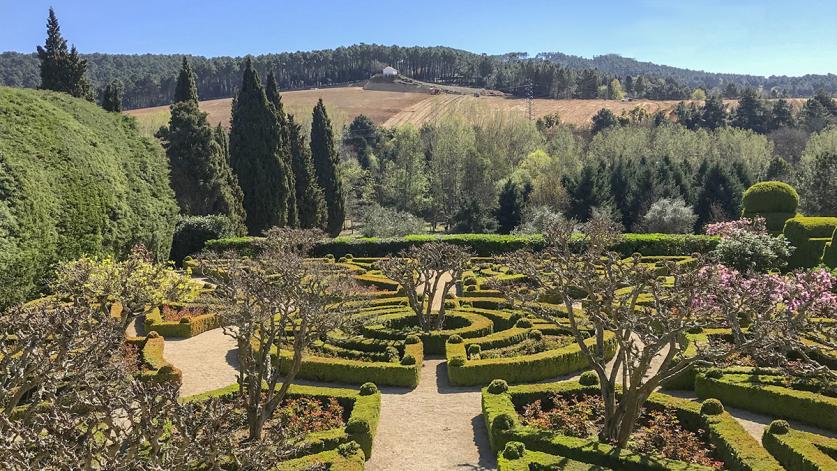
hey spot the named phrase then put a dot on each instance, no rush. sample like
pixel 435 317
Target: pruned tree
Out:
pixel 277 304
pixel 427 272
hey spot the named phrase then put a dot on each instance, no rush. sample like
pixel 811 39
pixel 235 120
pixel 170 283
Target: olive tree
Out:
pixel 427 272
pixel 276 304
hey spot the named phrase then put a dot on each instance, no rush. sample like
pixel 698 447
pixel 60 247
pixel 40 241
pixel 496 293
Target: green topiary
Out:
pixel 348 449
pixel 514 450
pixel 770 197
pixel 503 422
pixel 408 360
pixel 523 323
pixel 456 362
pixel 455 339
pixel 714 373
pixel 412 339
pixel 357 426
pixel 474 349
pixel 368 389
pixel 711 407
pixel 779 427
pixel 535 334
pixel 589 378
pixel 498 386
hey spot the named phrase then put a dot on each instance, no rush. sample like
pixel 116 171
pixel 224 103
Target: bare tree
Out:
pixel 421 271
pixel 278 302
pixel 647 315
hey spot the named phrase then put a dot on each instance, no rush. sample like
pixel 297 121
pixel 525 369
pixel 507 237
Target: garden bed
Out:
pixel 186 321
pixel 800 451
pixel 143 356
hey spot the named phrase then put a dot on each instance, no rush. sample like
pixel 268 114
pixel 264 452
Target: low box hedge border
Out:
pixel 800 451
pixel 776 401
pixel 338 370
pixel 333 460
pixel 518 369
pixel 154 365
pixel 737 448
pixel 483 245
pixel 434 342
pixel 186 328
pixel 361 426
pixel 538 461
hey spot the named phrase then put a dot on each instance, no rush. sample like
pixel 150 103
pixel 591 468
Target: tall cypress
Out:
pixel 719 197
pixel 255 155
pixel 325 163
pixel 62 70
pixel 112 97
pixel 510 208
pixel 201 177
pixel 272 92
pixel 311 207
pixel 186 88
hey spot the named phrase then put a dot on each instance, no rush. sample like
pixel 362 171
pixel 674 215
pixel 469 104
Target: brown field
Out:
pixel 393 108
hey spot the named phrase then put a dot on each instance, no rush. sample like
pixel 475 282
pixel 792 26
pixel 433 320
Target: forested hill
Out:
pixel 617 65
pixel 148 80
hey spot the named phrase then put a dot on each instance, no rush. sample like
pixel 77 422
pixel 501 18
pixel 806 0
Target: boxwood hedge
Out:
pixel 800 451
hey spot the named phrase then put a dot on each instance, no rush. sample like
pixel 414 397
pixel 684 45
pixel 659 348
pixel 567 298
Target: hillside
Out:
pixel 74 180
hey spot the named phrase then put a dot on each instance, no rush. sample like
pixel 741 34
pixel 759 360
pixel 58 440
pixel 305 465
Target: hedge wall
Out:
pixel 775 201
pixel 809 236
pixel 829 254
pixel 74 180
pixel 434 342
pixel 187 327
pixel 801 451
pixel 154 365
pixel 538 461
pixel 482 244
pixel 737 448
pixel 333 460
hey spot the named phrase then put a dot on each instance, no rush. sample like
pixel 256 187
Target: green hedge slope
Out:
pixel 74 180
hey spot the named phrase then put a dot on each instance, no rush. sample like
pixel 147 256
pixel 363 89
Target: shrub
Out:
pixel 498 386
pixel 408 360
pixel 386 222
pixel 474 349
pixel 589 378
pixel 455 338
pixel 456 362
pixel 537 219
pixel 503 422
pixel 514 450
pixel 367 389
pixel 670 216
pixel 523 323
pixel 74 180
pixel 711 407
pixel 413 339
pixel 348 449
pixel 535 334
pixel 775 201
pixel 748 251
pixel 192 232
pixel 809 235
pixel 779 427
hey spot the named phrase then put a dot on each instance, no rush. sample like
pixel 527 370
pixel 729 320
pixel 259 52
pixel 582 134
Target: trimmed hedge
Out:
pixel 192 232
pixel 809 235
pixel 829 254
pixel 518 369
pixel 434 342
pixel 801 451
pixel 361 426
pixel 776 401
pixel 154 365
pixel 482 244
pixel 332 459
pixel 735 446
pixel 538 461
pixel 187 327
pixel 775 201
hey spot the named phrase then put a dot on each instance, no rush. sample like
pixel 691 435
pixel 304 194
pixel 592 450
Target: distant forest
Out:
pixel 149 79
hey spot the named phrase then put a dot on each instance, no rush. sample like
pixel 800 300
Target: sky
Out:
pixel 762 37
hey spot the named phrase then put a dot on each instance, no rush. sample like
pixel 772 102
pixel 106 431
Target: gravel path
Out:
pixel 208 361
pixel 434 427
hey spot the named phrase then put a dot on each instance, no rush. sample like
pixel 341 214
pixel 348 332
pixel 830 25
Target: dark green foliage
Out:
pixel 510 209
pixel 186 89
pixel 782 115
pixel 200 174
pixel 589 378
pixel 711 407
pixel 603 119
pixel 275 99
pixel 311 208
pixel 751 113
pixel 74 180
pixel 62 70
pixel 498 386
pixel 472 218
pixel 363 136
pixel 779 170
pixel 719 196
pixel 112 97
pixel 809 236
pixel 769 197
pixel 192 232
pixel 589 190
pixel 325 160
pixel 714 113
pixel 819 112
pixel 256 158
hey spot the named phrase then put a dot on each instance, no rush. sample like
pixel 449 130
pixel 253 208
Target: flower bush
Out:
pixel 750 250
pixel 756 225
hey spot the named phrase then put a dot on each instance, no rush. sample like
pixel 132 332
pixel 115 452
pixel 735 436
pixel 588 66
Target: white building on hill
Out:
pixel 389 71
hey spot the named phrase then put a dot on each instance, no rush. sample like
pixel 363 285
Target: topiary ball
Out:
pixel 342 260
pixel 498 386
pixel 412 339
pixel 503 422
pixel 713 373
pixel 514 450
pixel 469 281
pixel 408 360
pixel 779 427
pixel 368 389
pixel 357 426
pixel 348 449
pixel 535 334
pixel 523 323
pixel 711 407
pixel 153 335
pixel 474 349
pixel 588 378
pixel 770 197
pixel 455 339
pixel 456 362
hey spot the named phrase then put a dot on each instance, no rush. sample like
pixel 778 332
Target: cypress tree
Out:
pixel 62 70
pixel 255 155
pixel 112 97
pixel 310 201
pixel 272 92
pixel 325 164
pixel 510 208
pixel 186 88
pixel 719 196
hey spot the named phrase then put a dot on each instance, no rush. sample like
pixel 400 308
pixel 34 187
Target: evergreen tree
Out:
pixel 589 190
pixel 62 70
pixel 779 170
pixel 719 196
pixel 602 120
pixel 471 219
pixel 510 208
pixel 186 89
pixel 620 188
pixel 310 201
pixel 255 155
pixel 588 84
pixel 272 92
pixel 816 115
pixel 782 115
pixel 325 163
pixel 112 97
pixel 751 113
pixel 714 114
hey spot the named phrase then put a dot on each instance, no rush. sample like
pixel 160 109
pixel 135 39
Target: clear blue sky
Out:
pixel 761 37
